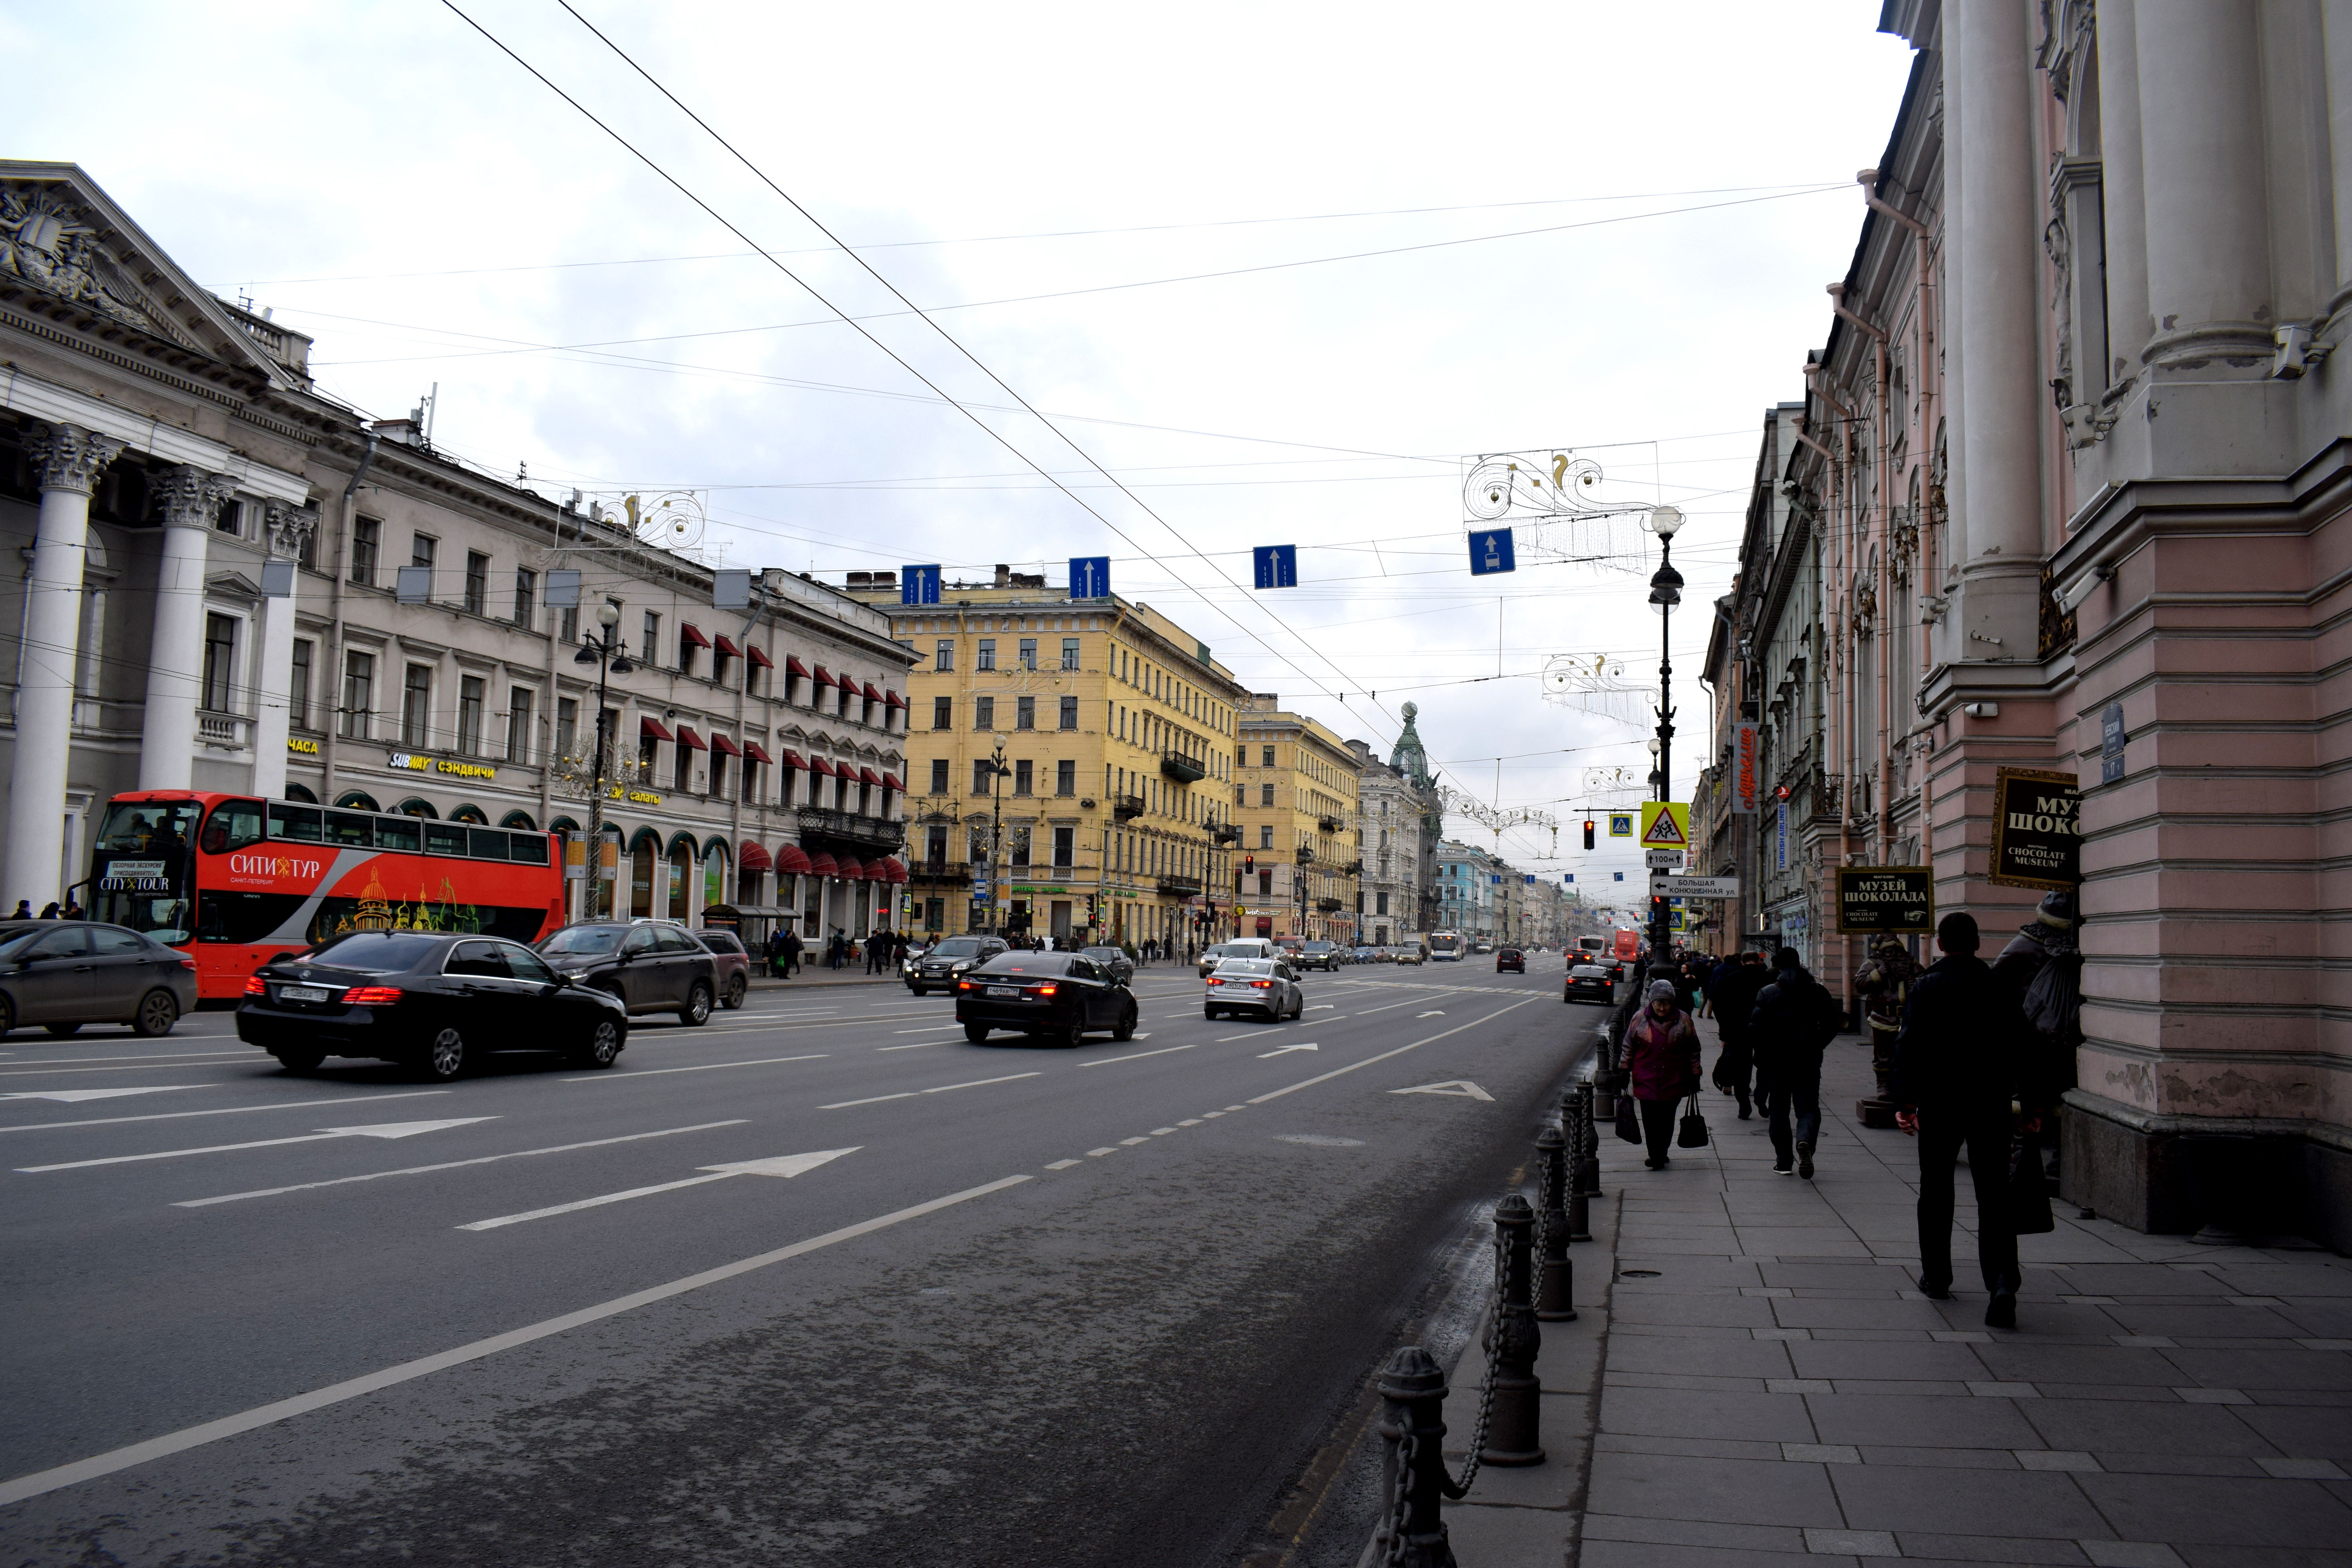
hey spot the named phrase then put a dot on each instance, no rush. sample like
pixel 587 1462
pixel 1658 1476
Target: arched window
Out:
pixel 412 806
pixel 645 853
pixel 357 800
pixel 518 819
pixel 681 877
pixel 714 875
pixel 297 792
pixel 473 814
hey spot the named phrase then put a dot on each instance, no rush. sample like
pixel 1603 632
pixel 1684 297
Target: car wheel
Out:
pixel 697 1010
pixel 918 990
pixel 1075 1036
pixel 1125 1029
pixel 602 1048
pixel 735 990
pixel 159 1011
pixel 62 1030
pixel 7 1014
pixel 444 1055
pixel 1210 1014
pixel 975 1033
pixel 299 1061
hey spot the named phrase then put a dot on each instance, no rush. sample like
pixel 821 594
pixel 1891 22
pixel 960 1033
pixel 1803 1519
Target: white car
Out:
pixel 1240 947
pixel 1265 987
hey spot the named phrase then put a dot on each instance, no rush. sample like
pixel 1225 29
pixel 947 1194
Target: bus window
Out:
pixel 528 848
pixel 487 844
pixel 147 827
pixel 444 839
pixel 398 833
pixel 297 824
pixel 234 825
pixel 354 827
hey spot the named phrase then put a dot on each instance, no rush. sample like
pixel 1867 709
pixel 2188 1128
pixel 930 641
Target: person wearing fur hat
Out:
pixel 1660 1051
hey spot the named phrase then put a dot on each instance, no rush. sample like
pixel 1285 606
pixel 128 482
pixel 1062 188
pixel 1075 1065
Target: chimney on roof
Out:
pixel 1004 576
pixel 859 580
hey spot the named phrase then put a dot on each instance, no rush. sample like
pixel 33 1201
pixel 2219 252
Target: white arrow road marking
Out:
pixel 76 1096
pixel 1459 1088
pixel 380 1130
pixel 217 1110
pixel 1397 1051
pixel 452 1165
pixel 1322 1007
pixel 1131 1056
pixel 781 1165
pixel 1280 1049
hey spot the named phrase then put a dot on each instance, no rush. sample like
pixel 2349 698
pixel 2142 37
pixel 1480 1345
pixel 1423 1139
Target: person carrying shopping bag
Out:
pixel 1660 1052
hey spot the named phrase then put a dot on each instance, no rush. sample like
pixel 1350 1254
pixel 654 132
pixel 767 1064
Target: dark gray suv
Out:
pixel 653 966
pixel 946 961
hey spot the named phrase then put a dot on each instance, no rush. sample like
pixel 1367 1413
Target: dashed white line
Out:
pixel 1131 1143
pixel 1133 1055
pixel 1190 1122
pixel 1161 1131
pixel 707 1067
pixel 1061 1165
pixel 872 1099
pixel 1352 1067
pixel 977 1082
pixel 1098 1153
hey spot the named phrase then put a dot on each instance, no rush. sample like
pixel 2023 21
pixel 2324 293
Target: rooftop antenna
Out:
pixel 432 407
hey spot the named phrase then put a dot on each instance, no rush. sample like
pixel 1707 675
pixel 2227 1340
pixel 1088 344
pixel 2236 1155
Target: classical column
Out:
pixel 289 528
pixel 2209 253
pixel 1996 300
pixel 67 461
pixel 2123 191
pixel 187 502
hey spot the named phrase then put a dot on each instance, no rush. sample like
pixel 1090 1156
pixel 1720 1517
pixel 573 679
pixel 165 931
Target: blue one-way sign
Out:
pixel 918 585
pixel 1490 551
pixel 1089 576
pixel 1277 565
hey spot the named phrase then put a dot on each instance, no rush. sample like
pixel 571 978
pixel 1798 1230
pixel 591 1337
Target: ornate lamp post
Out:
pixel 998 771
pixel 609 654
pixel 1666 593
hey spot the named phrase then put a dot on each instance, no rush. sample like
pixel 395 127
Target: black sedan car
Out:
pixel 430 1001
pixel 1055 997
pixel 1591 983
pixel 1115 964
pixel 1511 958
pixel 653 966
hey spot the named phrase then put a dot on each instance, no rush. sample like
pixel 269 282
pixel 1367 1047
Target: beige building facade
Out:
pixel 1296 802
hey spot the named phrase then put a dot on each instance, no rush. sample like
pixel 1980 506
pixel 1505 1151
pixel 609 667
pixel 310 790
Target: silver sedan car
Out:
pixel 1262 987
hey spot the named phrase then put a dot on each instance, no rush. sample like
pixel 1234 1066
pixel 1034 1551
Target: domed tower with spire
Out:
pixel 1410 762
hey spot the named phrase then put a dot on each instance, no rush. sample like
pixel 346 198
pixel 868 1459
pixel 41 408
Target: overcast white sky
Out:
pixel 384 178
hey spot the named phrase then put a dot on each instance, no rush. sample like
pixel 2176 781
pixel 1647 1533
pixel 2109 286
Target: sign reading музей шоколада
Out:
pixel 1891 900
pixel 2036 830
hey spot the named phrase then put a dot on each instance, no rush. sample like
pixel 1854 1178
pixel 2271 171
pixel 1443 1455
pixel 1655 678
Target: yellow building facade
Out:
pixel 1300 866
pixel 1113 730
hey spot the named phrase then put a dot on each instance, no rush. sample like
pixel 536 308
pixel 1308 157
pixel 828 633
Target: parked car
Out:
pixel 1591 983
pixel 947 963
pixel 1323 955
pixel 1115 962
pixel 1054 996
pixel 1240 947
pixel 1510 960
pixel 653 966
pixel 733 963
pixel 62 974
pixel 431 1000
pixel 1261 985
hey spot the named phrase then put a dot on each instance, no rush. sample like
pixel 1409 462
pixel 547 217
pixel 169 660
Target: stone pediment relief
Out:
pixel 233 585
pixel 48 240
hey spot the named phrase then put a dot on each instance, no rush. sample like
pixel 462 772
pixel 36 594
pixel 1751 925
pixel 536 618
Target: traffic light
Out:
pixel 1249 865
pixel 1588 833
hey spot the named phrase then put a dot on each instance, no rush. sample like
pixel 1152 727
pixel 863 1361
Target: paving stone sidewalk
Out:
pixel 1773 1388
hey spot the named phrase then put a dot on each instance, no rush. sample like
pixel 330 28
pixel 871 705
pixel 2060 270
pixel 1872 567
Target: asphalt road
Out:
pixel 1107 1306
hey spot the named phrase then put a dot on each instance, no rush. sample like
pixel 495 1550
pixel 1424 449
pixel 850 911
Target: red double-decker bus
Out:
pixel 233 881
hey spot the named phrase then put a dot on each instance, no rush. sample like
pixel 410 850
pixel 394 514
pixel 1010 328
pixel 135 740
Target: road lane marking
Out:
pixel 706 1066
pixel 1229 1039
pixel 375 1129
pixel 1192 1121
pixel 937 1088
pixel 875 1099
pixel 1352 1067
pixel 1239 1107
pixel 222 1111
pixel 1131 1143
pixel 1322 1007
pixel 934 1028
pixel 1433 1013
pixel 452 1164
pixel 14 1071
pixel 1061 1165
pixel 1385 1008
pixel 1098 1153
pixel 919 1045
pixel 780 1165
pixel 85 1061
pixel 1455 1087
pixel 1280 1049
pixel 76 1096
pixel 1131 1055
pixel 188 1437
pixel 1210 1115
pixel 979 1082
pixel 1161 1131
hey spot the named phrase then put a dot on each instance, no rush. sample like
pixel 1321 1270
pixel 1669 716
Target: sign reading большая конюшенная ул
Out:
pixel 2036 838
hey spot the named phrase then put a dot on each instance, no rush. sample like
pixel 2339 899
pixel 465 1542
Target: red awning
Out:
pixel 847 867
pixel 879 871
pixel 844 681
pixel 823 676
pixel 892 699
pixel 794 667
pixel 757 753
pixel 821 865
pixel 686 737
pixel 868 775
pixel 689 632
pixel 759 656
pixel 649 725
pixel 894 871
pixel 721 744
pixel 872 695
pixel 752 858
pixel 820 766
pixel 793 759
pixel 891 780
pixel 791 861
pixel 727 646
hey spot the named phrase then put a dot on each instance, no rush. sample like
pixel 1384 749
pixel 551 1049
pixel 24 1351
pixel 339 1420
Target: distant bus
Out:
pixel 1629 944
pixel 235 881
pixel 1445 946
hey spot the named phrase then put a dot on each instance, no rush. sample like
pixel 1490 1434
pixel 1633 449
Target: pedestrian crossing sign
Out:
pixel 1665 824
pixel 1620 824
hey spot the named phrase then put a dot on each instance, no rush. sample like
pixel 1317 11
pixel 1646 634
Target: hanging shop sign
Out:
pixel 1886 901
pixel 2036 830
pixel 1747 768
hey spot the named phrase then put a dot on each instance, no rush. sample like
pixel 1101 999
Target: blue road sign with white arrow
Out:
pixel 1277 565
pixel 1490 551
pixel 1089 576
pixel 918 585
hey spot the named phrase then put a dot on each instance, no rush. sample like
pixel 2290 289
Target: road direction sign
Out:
pixel 1490 551
pixel 1277 565
pixel 1620 824
pixel 1665 824
pixel 1663 859
pixel 1695 887
pixel 918 585
pixel 1089 576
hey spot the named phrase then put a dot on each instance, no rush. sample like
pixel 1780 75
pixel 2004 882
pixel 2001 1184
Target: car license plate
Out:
pixel 302 994
pixel 1004 991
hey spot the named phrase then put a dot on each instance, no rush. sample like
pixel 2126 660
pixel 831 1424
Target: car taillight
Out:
pixel 1215 981
pixel 1045 990
pixel 253 986
pixel 1260 984
pixel 963 985
pixel 372 997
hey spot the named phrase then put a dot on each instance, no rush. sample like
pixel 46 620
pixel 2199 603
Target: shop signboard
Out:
pixel 1886 901
pixel 2036 820
pixel 1747 768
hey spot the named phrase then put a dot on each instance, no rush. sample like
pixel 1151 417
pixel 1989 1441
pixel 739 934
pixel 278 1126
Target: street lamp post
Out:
pixel 997 771
pixel 609 656
pixel 1666 593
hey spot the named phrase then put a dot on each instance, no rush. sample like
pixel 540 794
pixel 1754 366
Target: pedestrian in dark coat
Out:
pixel 1794 1019
pixel 1955 1074
pixel 1659 1051
pixel 793 948
pixel 1736 986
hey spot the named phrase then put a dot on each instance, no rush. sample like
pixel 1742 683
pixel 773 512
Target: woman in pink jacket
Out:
pixel 1661 1051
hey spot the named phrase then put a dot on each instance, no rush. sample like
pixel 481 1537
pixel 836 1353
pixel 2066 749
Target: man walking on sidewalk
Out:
pixel 1737 984
pixel 1956 1068
pixel 1795 1019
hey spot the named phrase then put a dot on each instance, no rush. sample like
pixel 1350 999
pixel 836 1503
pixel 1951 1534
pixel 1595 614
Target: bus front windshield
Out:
pixel 138 867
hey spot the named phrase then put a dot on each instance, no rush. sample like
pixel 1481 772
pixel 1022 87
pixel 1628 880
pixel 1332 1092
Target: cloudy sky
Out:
pixel 1284 272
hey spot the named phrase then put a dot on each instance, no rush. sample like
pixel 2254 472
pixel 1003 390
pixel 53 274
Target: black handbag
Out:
pixel 2028 1192
pixel 1692 1133
pixel 1629 1126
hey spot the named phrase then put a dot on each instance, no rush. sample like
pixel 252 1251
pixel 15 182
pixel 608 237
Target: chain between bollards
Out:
pixel 1556 1288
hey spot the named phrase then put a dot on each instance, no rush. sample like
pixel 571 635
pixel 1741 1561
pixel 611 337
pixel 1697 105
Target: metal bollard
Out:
pixel 1514 1395
pixel 1587 1160
pixel 1556 1287
pixel 1412 1464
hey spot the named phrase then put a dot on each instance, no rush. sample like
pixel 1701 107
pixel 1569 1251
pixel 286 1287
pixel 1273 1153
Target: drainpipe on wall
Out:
pixel 334 660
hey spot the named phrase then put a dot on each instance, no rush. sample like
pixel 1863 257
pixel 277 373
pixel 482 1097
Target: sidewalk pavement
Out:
pixel 1773 1389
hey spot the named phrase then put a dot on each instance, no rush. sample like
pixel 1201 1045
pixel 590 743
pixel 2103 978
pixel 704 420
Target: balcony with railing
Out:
pixel 1180 887
pixel 1328 823
pixel 849 827
pixel 939 872
pixel 1225 831
pixel 1126 807
pixel 215 728
pixel 1184 768
pixel 1330 906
